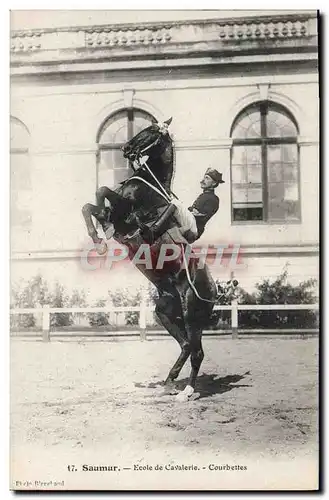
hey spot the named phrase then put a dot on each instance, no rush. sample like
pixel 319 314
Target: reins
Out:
pixel 150 185
pixel 165 194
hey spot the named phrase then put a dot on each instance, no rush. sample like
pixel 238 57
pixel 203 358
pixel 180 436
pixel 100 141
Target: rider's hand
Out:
pixel 143 159
pixel 196 212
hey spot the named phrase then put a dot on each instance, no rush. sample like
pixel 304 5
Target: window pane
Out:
pixel 254 155
pixel 115 130
pixel 275 172
pixel 246 164
pixel 285 153
pixel 276 210
pixel 112 159
pixel 291 192
pixel 19 136
pixel 282 163
pixel 255 173
pixel 111 178
pixel 276 191
pixel 292 210
pixel 279 125
pixel 248 214
pixel 284 211
pixel 248 124
pixel 243 155
pixel 239 174
pixel 240 214
pixel 239 155
pixel 255 213
pixel 112 168
pixel 246 194
pixel 239 194
pixel 141 121
pixel 289 153
pixel 290 172
pixel 255 194
pixel 275 204
pixel 274 153
pixel 283 201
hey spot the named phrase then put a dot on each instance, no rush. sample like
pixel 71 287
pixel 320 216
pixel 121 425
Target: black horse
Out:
pixel 140 212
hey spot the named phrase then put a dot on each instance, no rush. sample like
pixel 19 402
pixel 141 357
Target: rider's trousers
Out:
pixel 185 219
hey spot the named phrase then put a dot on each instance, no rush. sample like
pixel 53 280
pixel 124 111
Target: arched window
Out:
pixel 20 179
pixel 114 133
pixel 264 165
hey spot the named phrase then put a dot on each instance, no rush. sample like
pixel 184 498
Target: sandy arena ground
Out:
pixel 101 403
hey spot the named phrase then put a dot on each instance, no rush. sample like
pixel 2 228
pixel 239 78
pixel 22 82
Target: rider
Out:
pixel 192 221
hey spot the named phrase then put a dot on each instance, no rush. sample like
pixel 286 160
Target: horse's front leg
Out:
pixel 103 193
pixel 197 355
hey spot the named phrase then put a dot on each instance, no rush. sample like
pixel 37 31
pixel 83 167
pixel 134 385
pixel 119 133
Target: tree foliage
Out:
pixel 36 293
pixel 277 291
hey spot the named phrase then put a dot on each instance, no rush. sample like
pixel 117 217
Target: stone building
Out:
pixel 243 94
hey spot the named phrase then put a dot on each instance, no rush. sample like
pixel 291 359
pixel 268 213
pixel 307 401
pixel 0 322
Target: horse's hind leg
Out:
pixel 169 313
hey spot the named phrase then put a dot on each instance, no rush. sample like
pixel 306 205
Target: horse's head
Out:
pixel 152 141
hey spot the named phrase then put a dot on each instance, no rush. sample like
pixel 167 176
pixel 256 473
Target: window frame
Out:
pixel 263 141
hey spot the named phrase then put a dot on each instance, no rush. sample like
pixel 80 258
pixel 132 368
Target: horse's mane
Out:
pixel 158 145
pixel 163 166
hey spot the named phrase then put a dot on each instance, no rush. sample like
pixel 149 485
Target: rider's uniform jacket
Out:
pixel 207 204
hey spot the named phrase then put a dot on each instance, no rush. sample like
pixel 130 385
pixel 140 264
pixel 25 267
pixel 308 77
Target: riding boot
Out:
pixel 177 236
pixel 151 233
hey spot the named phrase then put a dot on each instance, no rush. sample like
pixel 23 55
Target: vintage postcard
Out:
pixel 164 250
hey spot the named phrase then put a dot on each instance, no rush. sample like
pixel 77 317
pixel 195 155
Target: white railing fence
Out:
pixel 143 308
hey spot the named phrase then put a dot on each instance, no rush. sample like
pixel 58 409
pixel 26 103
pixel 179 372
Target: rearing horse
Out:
pixel 141 213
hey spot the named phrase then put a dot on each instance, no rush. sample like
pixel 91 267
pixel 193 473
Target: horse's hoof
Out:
pixel 185 395
pixel 101 248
